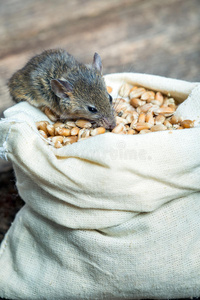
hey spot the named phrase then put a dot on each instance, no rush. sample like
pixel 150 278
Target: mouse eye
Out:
pixel 111 99
pixel 92 109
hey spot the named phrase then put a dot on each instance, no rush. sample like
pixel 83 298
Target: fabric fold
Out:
pixel 110 217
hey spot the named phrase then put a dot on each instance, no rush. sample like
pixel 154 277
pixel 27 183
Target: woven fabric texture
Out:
pixel 110 217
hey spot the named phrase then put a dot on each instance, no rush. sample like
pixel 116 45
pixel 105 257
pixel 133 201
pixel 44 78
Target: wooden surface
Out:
pixel 155 36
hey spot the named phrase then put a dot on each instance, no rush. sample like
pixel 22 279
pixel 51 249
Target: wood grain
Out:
pixel 153 36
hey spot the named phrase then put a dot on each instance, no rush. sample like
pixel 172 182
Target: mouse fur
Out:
pixel 70 89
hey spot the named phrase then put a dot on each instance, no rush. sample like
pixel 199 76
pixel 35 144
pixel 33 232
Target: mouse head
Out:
pixel 82 94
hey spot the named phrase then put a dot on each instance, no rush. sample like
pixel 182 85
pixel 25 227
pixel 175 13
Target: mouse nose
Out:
pixel 109 123
pixel 112 125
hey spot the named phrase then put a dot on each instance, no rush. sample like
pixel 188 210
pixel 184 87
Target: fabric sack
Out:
pixel 111 217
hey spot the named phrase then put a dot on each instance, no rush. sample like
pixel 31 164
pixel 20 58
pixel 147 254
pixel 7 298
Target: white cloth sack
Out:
pixel 110 217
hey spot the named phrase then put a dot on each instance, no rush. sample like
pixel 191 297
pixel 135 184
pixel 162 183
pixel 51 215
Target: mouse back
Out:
pixel 32 82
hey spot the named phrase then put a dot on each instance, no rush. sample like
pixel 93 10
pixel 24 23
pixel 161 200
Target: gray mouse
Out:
pixel 70 89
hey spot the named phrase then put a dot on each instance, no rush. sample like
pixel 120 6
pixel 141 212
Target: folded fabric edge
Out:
pixel 175 87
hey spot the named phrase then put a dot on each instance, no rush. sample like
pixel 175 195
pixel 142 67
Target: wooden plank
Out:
pixel 140 36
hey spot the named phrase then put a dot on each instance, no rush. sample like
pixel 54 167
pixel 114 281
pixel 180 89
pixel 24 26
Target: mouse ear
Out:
pixel 61 88
pixel 97 64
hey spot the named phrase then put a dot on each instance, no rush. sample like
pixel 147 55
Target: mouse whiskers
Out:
pixel 116 105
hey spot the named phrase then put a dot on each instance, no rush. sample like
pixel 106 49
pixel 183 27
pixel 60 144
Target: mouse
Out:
pixel 72 90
